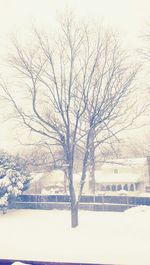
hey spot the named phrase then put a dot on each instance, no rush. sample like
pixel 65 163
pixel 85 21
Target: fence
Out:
pixel 94 203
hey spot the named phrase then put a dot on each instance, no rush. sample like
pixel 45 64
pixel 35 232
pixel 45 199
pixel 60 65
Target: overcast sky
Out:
pixel 128 17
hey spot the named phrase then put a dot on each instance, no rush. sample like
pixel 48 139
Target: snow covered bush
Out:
pixel 14 178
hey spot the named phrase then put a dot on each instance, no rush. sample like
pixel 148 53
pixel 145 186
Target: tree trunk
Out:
pixel 65 182
pixel 74 215
pixel 74 202
pixel 92 163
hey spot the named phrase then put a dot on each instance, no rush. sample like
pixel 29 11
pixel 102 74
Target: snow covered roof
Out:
pixel 125 162
pixel 100 177
pixel 54 176
pixel 36 176
pixel 117 178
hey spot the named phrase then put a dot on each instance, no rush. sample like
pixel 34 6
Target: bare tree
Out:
pixel 76 88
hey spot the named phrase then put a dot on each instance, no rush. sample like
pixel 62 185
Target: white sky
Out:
pixel 126 15
pixel 129 17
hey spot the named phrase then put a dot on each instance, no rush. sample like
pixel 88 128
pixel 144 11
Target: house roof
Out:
pixel 36 176
pixel 125 162
pixel 117 178
pixel 100 177
pixel 53 176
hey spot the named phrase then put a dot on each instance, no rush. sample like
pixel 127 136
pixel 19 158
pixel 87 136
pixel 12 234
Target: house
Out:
pixel 113 175
pixel 123 174
pixel 47 183
pixel 53 182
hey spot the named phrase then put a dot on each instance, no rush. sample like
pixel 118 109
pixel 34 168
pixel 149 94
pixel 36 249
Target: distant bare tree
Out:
pixel 77 94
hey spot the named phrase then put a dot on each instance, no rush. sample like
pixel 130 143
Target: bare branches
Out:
pixel 79 84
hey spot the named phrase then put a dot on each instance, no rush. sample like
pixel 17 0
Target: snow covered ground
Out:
pixel 102 237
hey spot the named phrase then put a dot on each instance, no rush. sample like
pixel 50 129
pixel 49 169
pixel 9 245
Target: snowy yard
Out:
pixel 102 237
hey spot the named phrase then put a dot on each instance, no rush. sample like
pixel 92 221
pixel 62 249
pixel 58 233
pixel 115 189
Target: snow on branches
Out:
pixel 14 178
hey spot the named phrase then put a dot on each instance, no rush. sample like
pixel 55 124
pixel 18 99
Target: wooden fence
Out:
pixel 94 203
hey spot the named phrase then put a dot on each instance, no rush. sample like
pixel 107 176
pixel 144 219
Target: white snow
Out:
pixel 36 177
pixel 119 179
pixel 101 237
pixel 4 200
pixel 144 194
pixel 126 161
pixel 19 263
